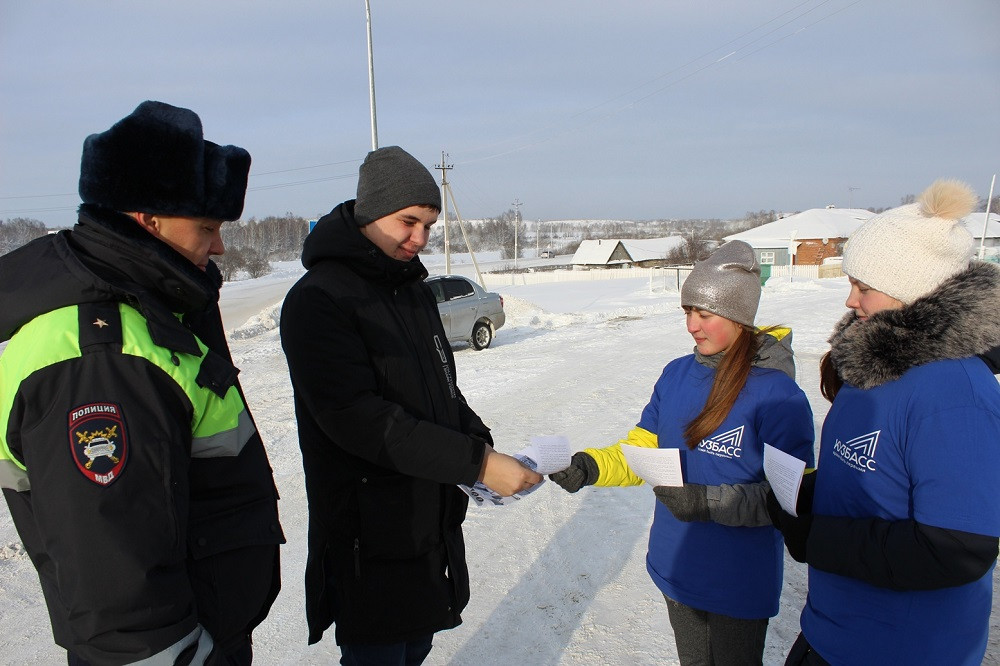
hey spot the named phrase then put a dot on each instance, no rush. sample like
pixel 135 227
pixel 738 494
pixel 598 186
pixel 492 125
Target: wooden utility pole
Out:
pixel 444 167
pixel 445 194
pixel 517 218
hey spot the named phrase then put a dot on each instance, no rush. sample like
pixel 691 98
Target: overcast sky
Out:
pixel 634 109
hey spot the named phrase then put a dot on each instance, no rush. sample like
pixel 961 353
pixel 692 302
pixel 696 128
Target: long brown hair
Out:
pixel 829 381
pixel 730 378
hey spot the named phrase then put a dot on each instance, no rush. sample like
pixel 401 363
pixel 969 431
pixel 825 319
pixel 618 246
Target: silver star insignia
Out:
pixel 100 323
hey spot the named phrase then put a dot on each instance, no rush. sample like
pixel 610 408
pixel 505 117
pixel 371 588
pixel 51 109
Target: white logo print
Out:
pixel 859 452
pixel 725 445
pixel 444 366
pixel 440 349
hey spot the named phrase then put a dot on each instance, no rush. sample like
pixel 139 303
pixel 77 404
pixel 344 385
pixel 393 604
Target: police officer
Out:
pixel 130 463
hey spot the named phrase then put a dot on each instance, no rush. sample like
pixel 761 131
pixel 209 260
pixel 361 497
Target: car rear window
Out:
pixel 456 289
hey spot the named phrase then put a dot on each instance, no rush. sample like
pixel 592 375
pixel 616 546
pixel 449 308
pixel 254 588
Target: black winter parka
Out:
pixel 178 539
pixel 385 435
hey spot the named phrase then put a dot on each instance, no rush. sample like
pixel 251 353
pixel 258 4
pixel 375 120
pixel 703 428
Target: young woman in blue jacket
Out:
pixel 902 538
pixel 713 552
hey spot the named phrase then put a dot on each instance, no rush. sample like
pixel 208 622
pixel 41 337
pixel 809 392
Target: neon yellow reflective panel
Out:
pixel 45 340
pixel 212 416
pixel 219 426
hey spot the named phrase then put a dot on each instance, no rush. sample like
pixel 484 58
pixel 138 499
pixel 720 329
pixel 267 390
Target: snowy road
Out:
pixel 556 578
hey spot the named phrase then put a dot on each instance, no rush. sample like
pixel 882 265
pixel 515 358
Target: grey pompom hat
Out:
pixel 391 179
pixel 727 283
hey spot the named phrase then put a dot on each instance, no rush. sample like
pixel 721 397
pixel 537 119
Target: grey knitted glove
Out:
pixel 688 503
pixel 734 505
pixel 582 471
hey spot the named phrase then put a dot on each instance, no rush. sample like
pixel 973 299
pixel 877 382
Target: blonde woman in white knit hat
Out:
pixel 901 541
pixel 713 552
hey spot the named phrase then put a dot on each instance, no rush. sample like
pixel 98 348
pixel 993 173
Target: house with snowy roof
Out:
pixel 986 233
pixel 817 234
pixel 622 252
pixel 807 238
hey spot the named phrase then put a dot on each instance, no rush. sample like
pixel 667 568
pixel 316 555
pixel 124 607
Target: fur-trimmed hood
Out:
pixel 959 319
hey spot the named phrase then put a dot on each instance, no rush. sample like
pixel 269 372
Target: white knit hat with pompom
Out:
pixel 907 252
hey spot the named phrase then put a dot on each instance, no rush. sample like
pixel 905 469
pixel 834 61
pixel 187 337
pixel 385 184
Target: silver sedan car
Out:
pixel 468 312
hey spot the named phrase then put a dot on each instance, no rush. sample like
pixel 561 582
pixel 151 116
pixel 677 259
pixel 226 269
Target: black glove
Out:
pixel 795 529
pixel 688 503
pixel 582 471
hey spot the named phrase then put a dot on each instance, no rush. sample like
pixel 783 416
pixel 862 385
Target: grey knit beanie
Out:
pixel 391 179
pixel 727 283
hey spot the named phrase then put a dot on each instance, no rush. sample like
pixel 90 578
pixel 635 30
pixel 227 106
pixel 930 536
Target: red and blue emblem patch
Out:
pixel 97 441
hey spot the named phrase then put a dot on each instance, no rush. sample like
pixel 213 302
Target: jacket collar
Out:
pixel 774 352
pixel 107 257
pixel 115 248
pixel 337 237
pixel 957 320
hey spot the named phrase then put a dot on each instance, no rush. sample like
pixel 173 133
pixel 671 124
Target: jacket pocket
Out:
pixel 254 524
pixel 399 517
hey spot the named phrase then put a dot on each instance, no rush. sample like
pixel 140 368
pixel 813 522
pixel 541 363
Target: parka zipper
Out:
pixel 357 559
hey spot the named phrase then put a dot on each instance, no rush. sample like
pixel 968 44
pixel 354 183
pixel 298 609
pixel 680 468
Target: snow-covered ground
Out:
pixel 556 578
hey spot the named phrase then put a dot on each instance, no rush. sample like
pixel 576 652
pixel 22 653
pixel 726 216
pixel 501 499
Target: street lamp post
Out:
pixel 371 75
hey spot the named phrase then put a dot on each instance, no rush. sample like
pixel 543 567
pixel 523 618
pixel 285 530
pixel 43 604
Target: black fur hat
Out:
pixel 156 160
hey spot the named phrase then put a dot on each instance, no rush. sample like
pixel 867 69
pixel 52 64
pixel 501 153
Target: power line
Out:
pixel 39 196
pixel 277 186
pixel 560 127
pixel 23 211
pixel 314 166
pixel 256 188
pixel 646 83
pixel 631 104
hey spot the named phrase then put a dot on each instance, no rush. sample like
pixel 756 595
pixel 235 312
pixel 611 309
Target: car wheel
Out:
pixel 482 335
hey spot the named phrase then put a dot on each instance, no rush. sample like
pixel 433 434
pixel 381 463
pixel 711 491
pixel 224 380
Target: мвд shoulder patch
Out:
pixel 97 441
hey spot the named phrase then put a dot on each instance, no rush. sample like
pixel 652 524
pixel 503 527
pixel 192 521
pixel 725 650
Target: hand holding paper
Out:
pixel 657 467
pixel 784 473
pixel 544 454
pixel 507 475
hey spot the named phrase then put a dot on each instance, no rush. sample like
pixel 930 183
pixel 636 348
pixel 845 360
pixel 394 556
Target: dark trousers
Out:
pixel 711 639
pixel 409 653
pixel 803 654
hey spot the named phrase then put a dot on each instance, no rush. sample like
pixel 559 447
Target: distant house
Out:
pixel 618 253
pixel 990 240
pixel 820 233
pixel 807 238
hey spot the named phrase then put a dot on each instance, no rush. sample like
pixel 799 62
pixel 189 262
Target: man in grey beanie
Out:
pixel 385 433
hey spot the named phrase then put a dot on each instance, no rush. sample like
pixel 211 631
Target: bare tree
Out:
pixel 255 264
pixel 230 263
pixel 759 218
pixel 17 231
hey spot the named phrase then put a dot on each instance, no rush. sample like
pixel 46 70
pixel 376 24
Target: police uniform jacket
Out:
pixel 385 436
pixel 129 461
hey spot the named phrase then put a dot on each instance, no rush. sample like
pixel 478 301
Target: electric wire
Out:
pixel 556 129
